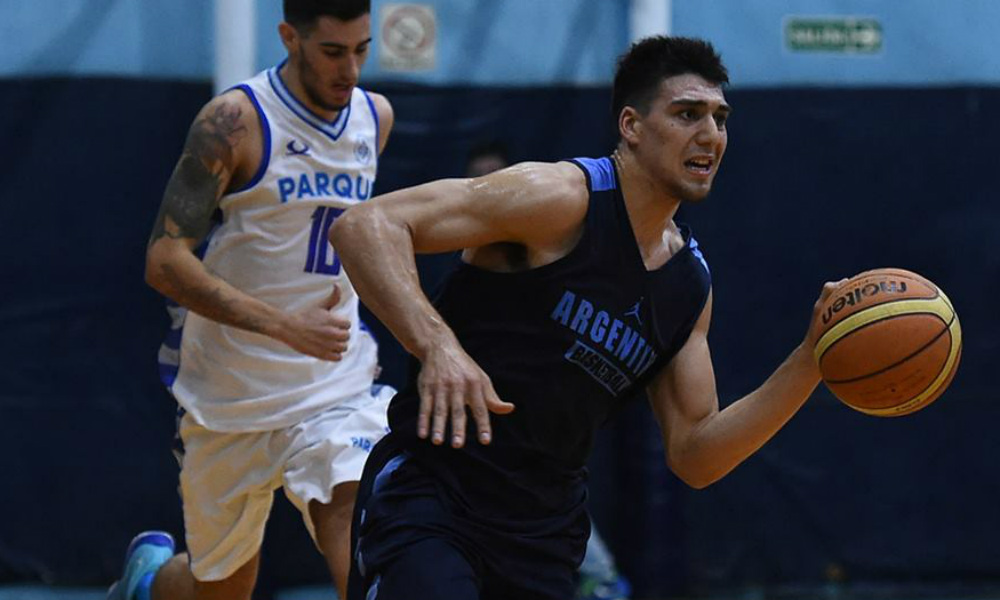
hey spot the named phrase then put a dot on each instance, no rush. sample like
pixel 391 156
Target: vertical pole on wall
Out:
pixel 235 42
pixel 649 17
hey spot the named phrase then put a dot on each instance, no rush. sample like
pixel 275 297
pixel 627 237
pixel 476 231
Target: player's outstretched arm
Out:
pixel 218 149
pixel 538 206
pixel 702 443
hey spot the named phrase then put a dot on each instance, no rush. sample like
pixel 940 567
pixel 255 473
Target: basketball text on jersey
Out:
pixel 325 185
pixel 607 348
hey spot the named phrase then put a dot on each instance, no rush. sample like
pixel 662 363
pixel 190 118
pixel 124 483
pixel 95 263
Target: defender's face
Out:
pixel 484 165
pixel 682 138
pixel 329 58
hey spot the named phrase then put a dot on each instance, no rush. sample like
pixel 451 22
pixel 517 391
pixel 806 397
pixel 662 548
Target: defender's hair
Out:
pixel 302 14
pixel 651 60
pixel 489 147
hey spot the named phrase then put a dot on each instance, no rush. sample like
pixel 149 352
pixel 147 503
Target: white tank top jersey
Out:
pixel 272 244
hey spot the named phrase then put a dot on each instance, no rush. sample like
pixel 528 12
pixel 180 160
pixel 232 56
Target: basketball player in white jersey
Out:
pixel 276 372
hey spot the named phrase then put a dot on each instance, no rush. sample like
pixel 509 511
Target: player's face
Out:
pixel 329 59
pixel 683 136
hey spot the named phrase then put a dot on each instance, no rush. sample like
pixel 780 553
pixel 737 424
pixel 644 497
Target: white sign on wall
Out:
pixel 833 34
pixel 407 37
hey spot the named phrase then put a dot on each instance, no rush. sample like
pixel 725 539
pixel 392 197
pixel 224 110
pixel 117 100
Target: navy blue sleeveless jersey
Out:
pixel 567 343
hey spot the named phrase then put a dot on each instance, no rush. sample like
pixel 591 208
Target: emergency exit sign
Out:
pixel 833 34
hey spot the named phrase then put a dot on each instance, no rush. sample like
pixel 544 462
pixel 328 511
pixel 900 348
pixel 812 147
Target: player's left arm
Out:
pixel 386 118
pixel 703 443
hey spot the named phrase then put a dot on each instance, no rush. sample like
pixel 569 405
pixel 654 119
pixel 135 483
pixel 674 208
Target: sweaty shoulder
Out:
pixel 534 211
pixel 553 198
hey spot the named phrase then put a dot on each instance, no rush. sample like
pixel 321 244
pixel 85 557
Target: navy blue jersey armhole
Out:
pixel 265 131
pixel 696 250
pixel 600 173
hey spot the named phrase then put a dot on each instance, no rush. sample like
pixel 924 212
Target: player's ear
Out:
pixel 629 124
pixel 289 37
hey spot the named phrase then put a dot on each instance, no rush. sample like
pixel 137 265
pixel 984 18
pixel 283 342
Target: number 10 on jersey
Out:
pixel 322 259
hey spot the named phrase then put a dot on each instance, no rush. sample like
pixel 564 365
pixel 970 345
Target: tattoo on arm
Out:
pixel 213 303
pixel 198 181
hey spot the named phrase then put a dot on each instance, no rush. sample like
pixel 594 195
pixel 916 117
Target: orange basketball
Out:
pixel 889 342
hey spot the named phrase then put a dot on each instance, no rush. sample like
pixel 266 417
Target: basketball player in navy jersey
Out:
pixel 577 289
pixel 275 371
pixel 598 575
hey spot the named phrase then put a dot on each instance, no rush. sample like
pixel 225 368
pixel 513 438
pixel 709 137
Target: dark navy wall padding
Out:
pixel 86 424
pixel 817 184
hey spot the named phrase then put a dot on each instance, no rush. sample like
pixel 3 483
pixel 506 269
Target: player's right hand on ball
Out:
pixel 449 382
pixel 812 335
pixel 316 332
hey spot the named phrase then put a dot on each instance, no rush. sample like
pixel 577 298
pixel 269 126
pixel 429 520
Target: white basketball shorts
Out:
pixel 228 479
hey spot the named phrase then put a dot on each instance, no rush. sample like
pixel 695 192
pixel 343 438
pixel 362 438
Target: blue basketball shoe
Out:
pixel 617 588
pixel 144 557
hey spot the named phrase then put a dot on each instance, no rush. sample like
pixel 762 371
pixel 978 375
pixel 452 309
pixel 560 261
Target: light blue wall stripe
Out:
pixel 499 42
pixel 926 42
pixel 131 38
pixel 521 42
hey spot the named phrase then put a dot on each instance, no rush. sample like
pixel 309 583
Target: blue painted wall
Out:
pixel 925 42
pixel 523 42
pixel 129 38
pixel 489 42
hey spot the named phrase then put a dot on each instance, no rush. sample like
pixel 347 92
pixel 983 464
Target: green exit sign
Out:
pixel 833 34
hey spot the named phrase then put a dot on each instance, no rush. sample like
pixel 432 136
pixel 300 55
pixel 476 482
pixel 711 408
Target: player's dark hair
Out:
pixel 302 14
pixel 651 60
pixel 488 148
